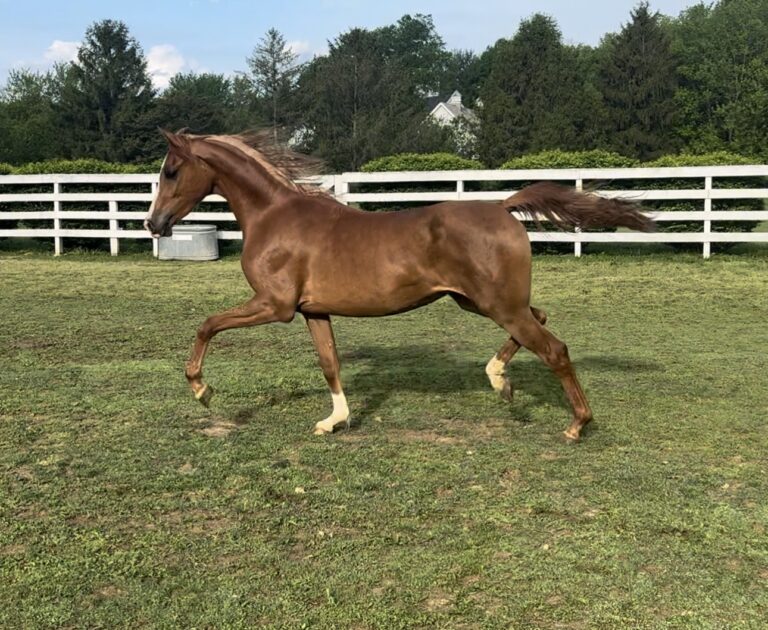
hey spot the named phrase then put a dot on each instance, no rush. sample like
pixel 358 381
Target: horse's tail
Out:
pixel 570 208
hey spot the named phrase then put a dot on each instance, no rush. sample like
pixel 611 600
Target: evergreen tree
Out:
pixel 638 79
pixel 246 111
pixel 274 71
pixel 201 102
pixel 106 96
pixel 534 97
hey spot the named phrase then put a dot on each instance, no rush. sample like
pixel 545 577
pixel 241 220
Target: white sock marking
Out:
pixel 340 414
pixel 495 371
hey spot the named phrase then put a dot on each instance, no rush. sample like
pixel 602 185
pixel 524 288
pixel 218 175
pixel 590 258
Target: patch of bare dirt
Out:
pixel 411 435
pixel 30 343
pixel 218 428
pixel 438 601
pixel 109 591
pixel 13 550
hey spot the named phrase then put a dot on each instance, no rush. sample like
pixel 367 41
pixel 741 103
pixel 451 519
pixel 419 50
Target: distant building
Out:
pixel 447 110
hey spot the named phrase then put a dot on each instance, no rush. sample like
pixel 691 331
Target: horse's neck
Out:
pixel 246 185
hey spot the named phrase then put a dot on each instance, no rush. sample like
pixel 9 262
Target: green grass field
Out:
pixel 123 503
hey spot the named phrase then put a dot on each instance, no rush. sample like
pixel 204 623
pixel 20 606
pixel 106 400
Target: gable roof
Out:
pixel 452 103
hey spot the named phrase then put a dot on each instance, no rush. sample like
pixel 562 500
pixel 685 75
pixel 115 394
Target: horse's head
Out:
pixel 185 179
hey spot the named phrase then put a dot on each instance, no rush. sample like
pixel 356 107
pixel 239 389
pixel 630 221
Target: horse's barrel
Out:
pixel 190 242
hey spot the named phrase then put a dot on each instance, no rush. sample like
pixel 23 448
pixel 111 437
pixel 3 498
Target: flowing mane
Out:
pixel 281 162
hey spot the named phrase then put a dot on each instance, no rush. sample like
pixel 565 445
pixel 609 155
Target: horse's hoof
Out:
pixel 329 426
pixel 204 395
pixel 571 436
pixel 507 392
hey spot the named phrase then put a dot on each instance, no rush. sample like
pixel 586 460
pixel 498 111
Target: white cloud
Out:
pixel 62 51
pixel 299 47
pixel 164 61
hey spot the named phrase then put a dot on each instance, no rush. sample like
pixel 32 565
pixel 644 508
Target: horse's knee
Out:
pixel 540 315
pixel 558 357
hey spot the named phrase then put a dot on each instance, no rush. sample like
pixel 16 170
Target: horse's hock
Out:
pixel 190 242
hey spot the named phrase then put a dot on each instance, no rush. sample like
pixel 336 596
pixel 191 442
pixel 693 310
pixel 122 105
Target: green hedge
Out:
pixel 596 158
pixel 83 165
pixel 421 162
pixel 716 158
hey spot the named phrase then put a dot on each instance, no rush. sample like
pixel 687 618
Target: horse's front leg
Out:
pixel 254 312
pixel 325 344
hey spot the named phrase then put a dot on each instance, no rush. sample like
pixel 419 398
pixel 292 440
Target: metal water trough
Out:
pixel 190 242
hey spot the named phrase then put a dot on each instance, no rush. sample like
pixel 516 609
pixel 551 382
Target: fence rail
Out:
pixel 708 185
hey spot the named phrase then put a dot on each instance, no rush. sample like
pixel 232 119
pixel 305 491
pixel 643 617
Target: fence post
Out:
pixel 340 188
pixel 459 189
pixel 57 240
pixel 114 241
pixel 577 229
pixel 155 241
pixel 707 209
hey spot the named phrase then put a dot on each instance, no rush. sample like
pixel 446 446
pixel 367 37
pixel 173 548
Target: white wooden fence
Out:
pixel 710 184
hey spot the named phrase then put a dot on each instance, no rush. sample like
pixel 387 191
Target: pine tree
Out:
pixel 638 79
pixel 106 95
pixel 533 98
pixel 274 70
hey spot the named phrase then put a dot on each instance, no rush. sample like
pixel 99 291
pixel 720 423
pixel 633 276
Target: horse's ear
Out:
pixel 177 142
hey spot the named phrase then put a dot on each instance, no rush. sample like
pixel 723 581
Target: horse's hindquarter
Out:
pixel 371 264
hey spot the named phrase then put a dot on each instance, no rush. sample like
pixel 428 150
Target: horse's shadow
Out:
pixel 430 370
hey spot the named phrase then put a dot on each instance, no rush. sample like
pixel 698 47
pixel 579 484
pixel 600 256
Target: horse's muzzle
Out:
pixel 159 227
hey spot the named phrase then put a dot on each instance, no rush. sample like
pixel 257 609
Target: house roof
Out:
pixel 452 103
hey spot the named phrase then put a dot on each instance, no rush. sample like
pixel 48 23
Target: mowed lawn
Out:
pixel 124 503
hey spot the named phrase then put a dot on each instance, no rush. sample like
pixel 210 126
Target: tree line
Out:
pixel 661 85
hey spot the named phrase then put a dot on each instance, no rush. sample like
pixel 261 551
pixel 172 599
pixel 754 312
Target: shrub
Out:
pixel 5 169
pixel 421 162
pixel 83 165
pixel 597 158
pixel 716 158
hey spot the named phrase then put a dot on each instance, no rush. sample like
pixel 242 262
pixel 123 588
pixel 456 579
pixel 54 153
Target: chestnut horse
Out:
pixel 306 253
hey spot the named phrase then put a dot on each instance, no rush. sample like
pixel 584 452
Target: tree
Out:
pixel 463 72
pixel 363 100
pixel 106 95
pixel 723 93
pixel 638 79
pixel 534 98
pixel 28 129
pixel 274 72
pixel 415 46
pixel 201 102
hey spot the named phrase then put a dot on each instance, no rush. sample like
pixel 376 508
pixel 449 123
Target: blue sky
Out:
pixel 217 35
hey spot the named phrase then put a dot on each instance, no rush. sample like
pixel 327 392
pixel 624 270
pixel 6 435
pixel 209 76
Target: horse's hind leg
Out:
pixel 495 367
pixel 529 333
pixel 325 344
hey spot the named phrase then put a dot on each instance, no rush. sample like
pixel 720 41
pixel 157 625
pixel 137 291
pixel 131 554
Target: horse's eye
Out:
pixel 170 174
